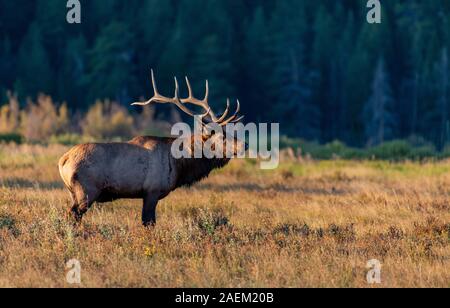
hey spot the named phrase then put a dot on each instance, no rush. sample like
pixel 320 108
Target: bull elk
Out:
pixel 142 168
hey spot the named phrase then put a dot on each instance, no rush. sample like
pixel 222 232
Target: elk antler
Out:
pixel 158 98
pixel 205 105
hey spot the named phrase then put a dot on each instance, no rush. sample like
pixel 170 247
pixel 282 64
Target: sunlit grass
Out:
pixel 306 224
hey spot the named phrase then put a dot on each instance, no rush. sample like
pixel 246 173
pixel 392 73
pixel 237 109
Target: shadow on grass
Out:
pixel 25 183
pixel 253 187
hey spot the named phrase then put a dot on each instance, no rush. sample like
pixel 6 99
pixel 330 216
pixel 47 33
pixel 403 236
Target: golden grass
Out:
pixel 311 225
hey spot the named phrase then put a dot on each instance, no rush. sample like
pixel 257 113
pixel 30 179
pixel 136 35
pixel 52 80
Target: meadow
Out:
pixel 307 224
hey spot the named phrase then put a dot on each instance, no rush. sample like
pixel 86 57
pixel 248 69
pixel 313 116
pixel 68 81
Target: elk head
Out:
pixel 214 127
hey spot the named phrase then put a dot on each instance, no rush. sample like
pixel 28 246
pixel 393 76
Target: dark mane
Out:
pixel 192 170
pixel 188 170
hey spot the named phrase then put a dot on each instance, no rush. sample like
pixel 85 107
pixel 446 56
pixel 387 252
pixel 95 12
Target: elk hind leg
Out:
pixel 83 200
pixel 73 212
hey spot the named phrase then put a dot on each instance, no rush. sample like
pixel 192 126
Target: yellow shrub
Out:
pixel 148 124
pixel 9 115
pixel 106 121
pixel 40 121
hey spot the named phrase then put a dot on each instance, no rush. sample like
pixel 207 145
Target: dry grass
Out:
pixel 310 225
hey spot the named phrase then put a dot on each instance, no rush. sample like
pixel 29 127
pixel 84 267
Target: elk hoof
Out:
pixel 149 224
pixel 75 215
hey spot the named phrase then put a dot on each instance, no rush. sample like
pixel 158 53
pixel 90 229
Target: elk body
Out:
pixel 143 168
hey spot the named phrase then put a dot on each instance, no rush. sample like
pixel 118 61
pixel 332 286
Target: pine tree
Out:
pixel 154 36
pixel 211 61
pixel 322 59
pixel 338 76
pixel 442 70
pixel 70 80
pixel 305 64
pixel 255 76
pixel 211 55
pixel 174 60
pixel 292 105
pixel 51 17
pixel 380 121
pixel 96 15
pixel 7 60
pixel 111 65
pixel 15 18
pixel 34 71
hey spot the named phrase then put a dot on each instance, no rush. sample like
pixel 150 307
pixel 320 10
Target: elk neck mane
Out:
pixel 192 170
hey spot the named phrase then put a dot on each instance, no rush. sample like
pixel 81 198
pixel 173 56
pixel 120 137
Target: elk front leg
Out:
pixel 149 210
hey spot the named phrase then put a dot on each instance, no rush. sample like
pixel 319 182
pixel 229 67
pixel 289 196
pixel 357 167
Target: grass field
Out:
pixel 309 224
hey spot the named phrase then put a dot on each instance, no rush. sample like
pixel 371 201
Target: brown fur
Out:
pixel 140 169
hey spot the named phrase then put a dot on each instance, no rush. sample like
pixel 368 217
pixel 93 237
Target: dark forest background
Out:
pixel 317 67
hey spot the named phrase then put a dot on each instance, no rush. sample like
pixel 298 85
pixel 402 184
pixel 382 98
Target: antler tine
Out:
pixel 180 103
pixel 158 98
pixel 202 116
pixel 206 91
pixel 226 112
pixel 188 84
pixel 201 103
pixel 155 88
pixel 177 101
pixel 233 119
pixel 191 99
pixel 177 90
pixel 206 113
pixel 141 103
pixel 155 93
pixel 238 119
